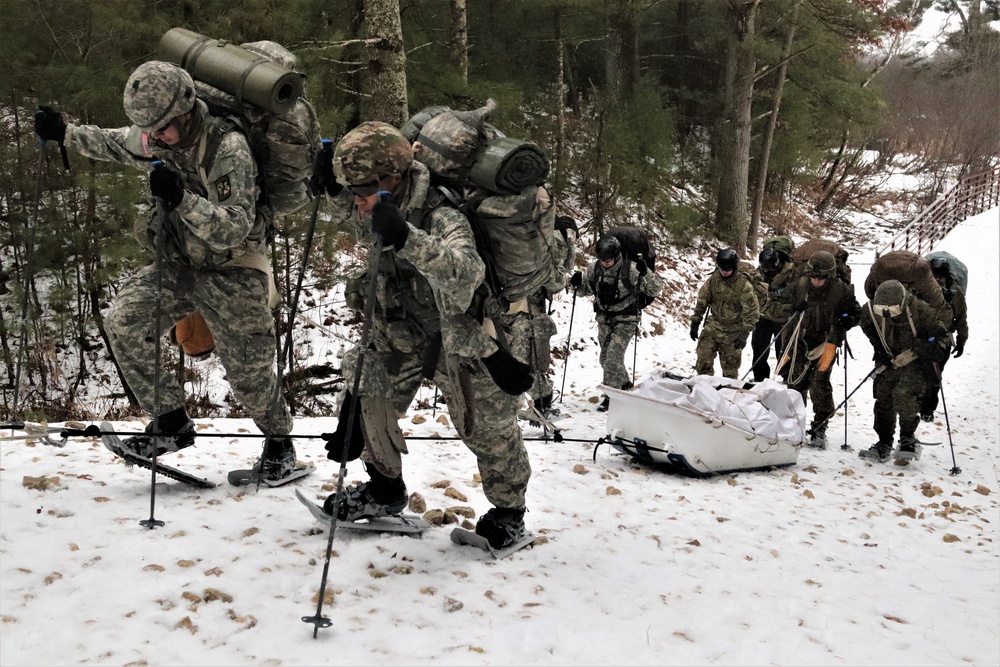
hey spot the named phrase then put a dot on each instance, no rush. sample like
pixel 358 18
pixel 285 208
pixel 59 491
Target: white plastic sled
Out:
pixel 707 425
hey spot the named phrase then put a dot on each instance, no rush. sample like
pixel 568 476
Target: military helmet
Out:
pixel 890 293
pixel 940 267
pixel 369 152
pixel 156 93
pixel 769 259
pixel 727 259
pixel 822 265
pixel 609 247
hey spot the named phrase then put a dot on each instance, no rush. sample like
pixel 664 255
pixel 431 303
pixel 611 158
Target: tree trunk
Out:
pixel 733 139
pixel 772 122
pixel 623 50
pixel 458 39
pixel 560 101
pixel 386 63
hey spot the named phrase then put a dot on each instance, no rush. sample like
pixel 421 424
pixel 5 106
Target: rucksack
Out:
pixel 635 244
pixel 497 182
pixel 783 244
pixel 802 253
pixel 910 269
pixel 959 272
pixel 284 138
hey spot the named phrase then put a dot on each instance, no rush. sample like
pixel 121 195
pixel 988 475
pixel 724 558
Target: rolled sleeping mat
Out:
pixel 247 76
pixel 509 165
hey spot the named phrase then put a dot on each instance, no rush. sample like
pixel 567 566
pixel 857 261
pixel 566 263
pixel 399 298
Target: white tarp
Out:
pixel 768 409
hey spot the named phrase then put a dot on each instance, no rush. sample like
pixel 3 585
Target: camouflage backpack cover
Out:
pixel 283 141
pixel 497 182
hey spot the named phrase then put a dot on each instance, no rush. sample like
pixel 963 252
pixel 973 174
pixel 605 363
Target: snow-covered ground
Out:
pixel 832 561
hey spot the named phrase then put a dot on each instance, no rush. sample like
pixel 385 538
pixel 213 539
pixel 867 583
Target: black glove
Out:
pixel 929 350
pixel 335 441
pixel 322 180
pixel 388 223
pixel 694 330
pixel 641 267
pixel 49 125
pixel 959 349
pixel 799 307
pixel 881 357
pixel 576 280
pixel 510 374
pixel 741 340
pixel 165 185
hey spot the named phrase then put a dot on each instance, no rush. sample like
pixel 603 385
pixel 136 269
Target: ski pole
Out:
pixel 872 373
pixel 282 352
pixel 569 338
pixel 955 470
pixel 152 521
pixel 846 447
pixel 320 621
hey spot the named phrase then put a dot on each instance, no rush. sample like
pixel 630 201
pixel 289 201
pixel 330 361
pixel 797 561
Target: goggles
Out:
pixel 889 311
pixel 365 190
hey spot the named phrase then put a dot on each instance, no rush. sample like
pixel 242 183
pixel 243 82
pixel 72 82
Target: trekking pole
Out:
pixel 955 470
pixel 635 345
pixel 29 259
pixel 320 621
pixel 767 350
pixel 872 373
pixel 283 351
pixel 845 447
pixel 569 337
pixel 152 521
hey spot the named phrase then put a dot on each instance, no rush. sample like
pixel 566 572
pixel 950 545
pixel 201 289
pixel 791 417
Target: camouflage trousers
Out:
pixel 897 392
pixel 528 335
pixel 614 334
pixel 814 383
pixel 714 341
pixel 389 382
pixel 234 304
pixel 760 342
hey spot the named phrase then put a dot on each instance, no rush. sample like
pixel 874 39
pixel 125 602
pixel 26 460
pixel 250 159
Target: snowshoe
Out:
pixel 114 444
pixel 880 451
pixel 909 450
pixel 501 527
pixel 399 523
pixel 148 446
pixel 358 502
pixel 276 468
pixel 605 404
pixel 469 538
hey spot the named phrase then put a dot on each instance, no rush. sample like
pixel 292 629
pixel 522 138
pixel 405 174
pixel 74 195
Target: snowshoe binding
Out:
pixel 277 467
pixel 115 445
pixel 398 523
pixel 880 451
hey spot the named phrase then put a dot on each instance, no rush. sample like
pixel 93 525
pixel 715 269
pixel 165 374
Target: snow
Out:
pixel 832 561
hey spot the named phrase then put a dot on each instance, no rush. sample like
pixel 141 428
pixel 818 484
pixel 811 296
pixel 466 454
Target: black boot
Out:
pixel 501 527
pixel 603 407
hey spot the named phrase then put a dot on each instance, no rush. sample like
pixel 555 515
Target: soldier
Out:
pixel 954 296
pixel 617 287
pixel 729 299
pixel 772 262
pixel 826 310
pixel 904 331
pixel 213 240
pixel 428 271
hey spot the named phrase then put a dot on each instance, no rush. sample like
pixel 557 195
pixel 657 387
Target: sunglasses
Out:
pixel 365 190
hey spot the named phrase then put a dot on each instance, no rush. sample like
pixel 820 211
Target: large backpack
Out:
pixel 958 270
pixel 635 244
pixel 802 253
pixel 910 269
pixel 257 89
pixel 497 182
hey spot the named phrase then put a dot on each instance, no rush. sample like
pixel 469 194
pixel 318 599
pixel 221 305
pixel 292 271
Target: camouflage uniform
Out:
pixel 831 311
pixel 420 330
pixel 958 326
pixel 616 292
pixel 731 304
pixel 768 291
pixel 213 262
pixel 900 383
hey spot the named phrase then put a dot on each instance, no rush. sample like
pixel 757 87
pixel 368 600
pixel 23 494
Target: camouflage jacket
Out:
pixel 216 221
pixel 831 311
pixel 775 285
pixel 619 291
pixel 960 314
pixel 898 332
pixel 426 287
pixel 730 303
